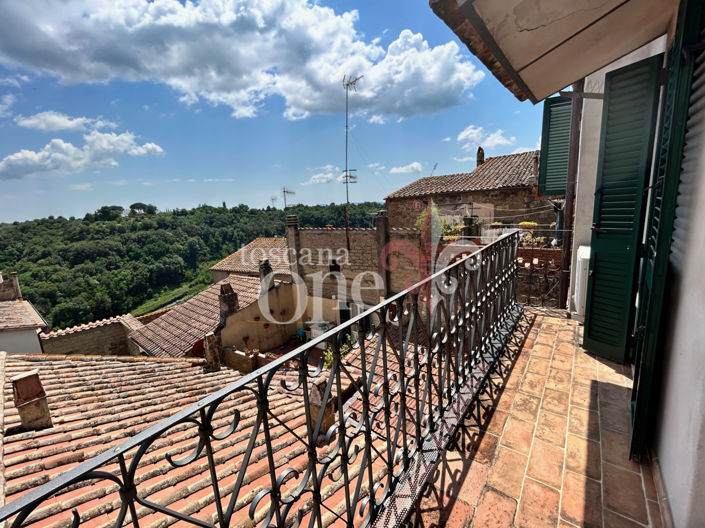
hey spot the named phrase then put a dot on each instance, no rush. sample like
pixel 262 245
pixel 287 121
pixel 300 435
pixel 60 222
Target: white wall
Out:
pixel 590 149
pixel 680 431
pixel 20 341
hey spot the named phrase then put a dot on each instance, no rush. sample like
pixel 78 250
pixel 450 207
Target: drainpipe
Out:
pixel 575 116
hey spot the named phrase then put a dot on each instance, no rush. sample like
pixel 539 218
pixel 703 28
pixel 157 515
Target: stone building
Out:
pixel 502 188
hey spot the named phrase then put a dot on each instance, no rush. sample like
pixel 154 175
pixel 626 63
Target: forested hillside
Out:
pixel 111 261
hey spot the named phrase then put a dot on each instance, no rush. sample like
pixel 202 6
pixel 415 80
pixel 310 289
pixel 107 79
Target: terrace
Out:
pixel 452 404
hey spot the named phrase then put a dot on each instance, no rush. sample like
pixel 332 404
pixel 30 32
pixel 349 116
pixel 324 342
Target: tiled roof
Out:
pixel 18 315
pixel 127 320
pixel 246 259
pixel 501 172
pixel 174 333
pixel 98 402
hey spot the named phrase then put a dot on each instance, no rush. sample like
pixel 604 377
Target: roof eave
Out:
pixel 452 15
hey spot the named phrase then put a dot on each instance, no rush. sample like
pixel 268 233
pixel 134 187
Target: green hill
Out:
pixel 110 262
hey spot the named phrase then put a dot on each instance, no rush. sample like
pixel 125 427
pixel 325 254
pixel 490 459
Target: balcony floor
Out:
pixel 547 443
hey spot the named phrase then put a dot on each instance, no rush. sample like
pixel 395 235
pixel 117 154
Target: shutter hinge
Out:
pixel 639 333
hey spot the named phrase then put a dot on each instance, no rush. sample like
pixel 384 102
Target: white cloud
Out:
pixel 58 156
pixel 319 177
pixel 414 166
pixel 51 121
pixel 446 139
pixel 519 150
pixel 464 159
pixel 118 183
pixel 377 119
pixel 218 180
pixel 6 102
pixel 237 54
pixel 15 81
pixel 81 186
pixel 476 136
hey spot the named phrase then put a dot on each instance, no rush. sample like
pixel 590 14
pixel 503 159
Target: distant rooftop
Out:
pixel 176 332
pixel 19 315
pixel 501 172
pixel 246 259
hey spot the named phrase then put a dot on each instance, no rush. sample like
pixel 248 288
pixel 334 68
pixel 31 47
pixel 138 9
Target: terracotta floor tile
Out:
pixel 555 401
pixel 614 394
pixel 623 493
pixel 525 406
pixel 546 337
pixel 495 510
pixel 542 351
pixel 558 380
pixel 496 423
pixel 564 349
pixel 584 396
pixel 584 423
pixel 485 451
pixel 581 501
pixel 460 476
pixel 546 463
pixel 615 450
pixel 538 365
pixel 506 399
pixel 654 514
pixel 614 417
pixel 583 456
pixel 562 362
pixel 585 375
pixel 538 506
pixel 518 435
pixel 649 485
pixel 451 514
pixel 551 427
pixel 612 520
pixel 507 472
pixel 533 384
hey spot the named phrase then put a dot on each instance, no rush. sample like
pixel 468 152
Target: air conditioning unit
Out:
pixel 581 279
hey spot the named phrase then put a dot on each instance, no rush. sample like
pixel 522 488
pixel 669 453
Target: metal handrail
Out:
pixel 404 374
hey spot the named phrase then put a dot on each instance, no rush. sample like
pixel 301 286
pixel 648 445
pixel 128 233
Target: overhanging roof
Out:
pixel 538 47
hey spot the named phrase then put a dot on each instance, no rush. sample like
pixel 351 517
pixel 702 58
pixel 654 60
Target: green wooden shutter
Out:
pixel 662 213
pixel 555 145
pixel 626 144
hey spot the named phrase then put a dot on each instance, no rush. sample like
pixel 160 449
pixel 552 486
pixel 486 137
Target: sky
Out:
pixel 111 102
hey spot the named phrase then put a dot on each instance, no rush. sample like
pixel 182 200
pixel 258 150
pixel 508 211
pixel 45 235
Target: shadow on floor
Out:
pixel 453 472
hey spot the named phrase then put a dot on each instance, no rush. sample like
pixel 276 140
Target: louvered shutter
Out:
pixel 683 109
pixel 555 144
pixel 626 143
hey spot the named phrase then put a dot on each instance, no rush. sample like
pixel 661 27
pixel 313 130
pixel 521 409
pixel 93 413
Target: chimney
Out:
pixel 212 352
pixel 480 156
pixel 16 286
pixel 31 401
pixel 229 303
pixel 266 276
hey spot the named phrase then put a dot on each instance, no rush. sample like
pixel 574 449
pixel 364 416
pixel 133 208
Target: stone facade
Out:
pixel 509 206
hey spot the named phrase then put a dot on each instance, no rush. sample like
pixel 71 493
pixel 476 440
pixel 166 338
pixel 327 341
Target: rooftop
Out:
pixel 127 320
pixel 501 172
pixel 246 259
pixel 176 332
pixel 19 315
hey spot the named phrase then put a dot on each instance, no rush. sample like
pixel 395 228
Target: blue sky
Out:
pixel 108 102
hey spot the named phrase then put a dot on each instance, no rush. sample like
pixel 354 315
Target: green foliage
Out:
pixel 108 263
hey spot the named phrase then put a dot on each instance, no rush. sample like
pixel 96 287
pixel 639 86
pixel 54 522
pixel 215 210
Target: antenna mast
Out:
pixel 349 84
pixel 286 191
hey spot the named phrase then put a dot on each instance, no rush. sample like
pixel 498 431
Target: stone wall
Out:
pixel 99 338
pixel 508 206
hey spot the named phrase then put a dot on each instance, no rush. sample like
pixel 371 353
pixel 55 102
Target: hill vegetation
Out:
pixel 115 261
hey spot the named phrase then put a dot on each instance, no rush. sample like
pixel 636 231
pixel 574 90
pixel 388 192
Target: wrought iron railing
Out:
pixel 350 443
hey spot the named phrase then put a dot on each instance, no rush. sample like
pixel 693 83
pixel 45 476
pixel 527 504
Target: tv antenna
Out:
pixel 273 199
pixel 433 169
pixel 348 84
pixel 286 191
